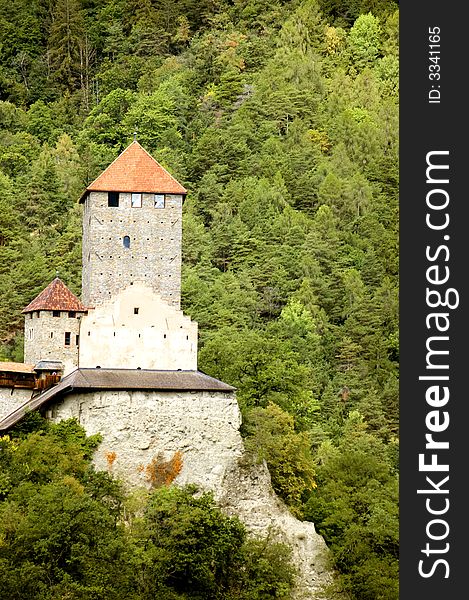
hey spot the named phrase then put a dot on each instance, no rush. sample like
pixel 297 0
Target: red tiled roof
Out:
pixel 134 170
pixel 56 296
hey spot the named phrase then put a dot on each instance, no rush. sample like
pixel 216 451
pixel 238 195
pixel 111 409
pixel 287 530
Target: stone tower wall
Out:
pixel 44 338
pixel 154 255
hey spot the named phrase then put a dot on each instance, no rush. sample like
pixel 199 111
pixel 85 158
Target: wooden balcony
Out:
pixel 14 382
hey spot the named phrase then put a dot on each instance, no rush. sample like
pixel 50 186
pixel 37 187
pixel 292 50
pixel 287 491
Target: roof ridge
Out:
pixel 135 170
pixel 56 296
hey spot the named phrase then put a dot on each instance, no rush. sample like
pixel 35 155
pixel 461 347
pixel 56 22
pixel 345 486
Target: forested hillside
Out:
pixel 281 119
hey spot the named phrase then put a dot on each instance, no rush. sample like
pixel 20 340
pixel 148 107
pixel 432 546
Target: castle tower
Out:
pixel 132 230
pixel 52 326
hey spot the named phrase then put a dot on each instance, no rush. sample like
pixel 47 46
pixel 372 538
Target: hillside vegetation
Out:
pixel 281 119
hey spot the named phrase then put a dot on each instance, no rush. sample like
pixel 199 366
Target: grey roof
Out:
pixel 48 365
pixel 89 380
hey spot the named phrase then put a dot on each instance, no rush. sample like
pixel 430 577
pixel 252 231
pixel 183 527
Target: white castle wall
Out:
pixel 138 425
pixel 159 336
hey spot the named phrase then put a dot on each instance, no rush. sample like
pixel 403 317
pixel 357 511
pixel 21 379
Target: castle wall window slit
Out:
pixel 67 338
pixel 126 241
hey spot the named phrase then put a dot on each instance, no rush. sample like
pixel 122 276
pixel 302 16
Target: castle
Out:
pixel 123 360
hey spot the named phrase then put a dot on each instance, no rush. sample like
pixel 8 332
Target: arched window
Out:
pixel 126 241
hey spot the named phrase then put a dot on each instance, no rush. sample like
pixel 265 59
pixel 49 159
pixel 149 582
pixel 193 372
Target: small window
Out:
pixel 51 334
pixel 77 340
pixel 126 241
pixel 72 314
pixel 135 311
pixel 113 199
pixel 67 338
pixel 159 200
pixel 56 313
pixel 136 200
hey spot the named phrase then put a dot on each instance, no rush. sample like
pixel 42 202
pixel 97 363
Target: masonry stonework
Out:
pixel 153 256
pixel 11 398
pixel 138 425
pixel 45 337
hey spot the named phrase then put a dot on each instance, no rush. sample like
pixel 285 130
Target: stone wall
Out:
pixel 11 398
pixel 137 426
pixel 154 253
pixel 44 338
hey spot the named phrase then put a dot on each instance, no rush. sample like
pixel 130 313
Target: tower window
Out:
pixel 136 201
pixel 159 200
pixel 71 314
pixel 113 199
pixel 67 338
pixel 135 311
pixel 56 313
pixel 77 340
pixel 126 241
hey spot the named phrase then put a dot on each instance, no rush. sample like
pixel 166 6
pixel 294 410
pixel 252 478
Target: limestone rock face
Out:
pixel 247 492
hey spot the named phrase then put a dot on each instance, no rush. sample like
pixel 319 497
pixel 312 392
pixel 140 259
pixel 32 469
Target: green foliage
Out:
pixel 272 436
pixel 355 508
pixel 364 40
pixel 62 533
pixel 281 119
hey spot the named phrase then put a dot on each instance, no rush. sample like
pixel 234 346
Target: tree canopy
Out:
pixel 281 119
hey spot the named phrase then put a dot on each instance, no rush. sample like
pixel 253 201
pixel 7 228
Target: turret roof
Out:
pixel 134 170
pixel 56 296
